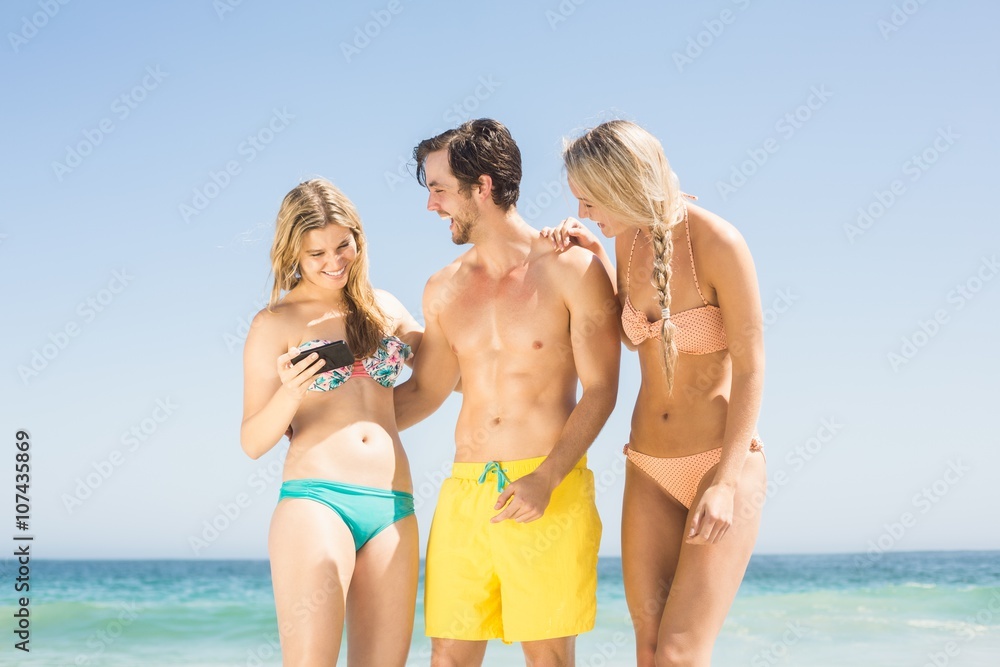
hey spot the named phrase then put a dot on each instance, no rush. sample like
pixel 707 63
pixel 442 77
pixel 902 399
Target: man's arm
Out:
pixel 435 366
pixel 593 311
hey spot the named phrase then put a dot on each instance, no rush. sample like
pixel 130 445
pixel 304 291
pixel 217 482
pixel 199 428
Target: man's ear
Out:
pixel 484 187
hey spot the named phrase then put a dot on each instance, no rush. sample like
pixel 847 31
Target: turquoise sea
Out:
pixel 918 608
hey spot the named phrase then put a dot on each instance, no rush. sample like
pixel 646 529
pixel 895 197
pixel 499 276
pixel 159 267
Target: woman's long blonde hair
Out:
pixel 315 204
pixel 621 167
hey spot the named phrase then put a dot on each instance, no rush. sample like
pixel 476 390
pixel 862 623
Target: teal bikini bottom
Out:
pixel 367 511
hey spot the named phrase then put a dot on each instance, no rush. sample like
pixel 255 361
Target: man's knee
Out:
pixel 547 660
pixel 456 653
pixel 444 658
pixel 549 653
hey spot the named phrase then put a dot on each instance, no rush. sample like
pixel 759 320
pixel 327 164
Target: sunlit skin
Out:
pixel 346 435
pixel 682 568
pixel 497 316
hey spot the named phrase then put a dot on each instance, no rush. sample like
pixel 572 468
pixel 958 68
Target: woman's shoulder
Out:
pixel 712 234
pixel 400 321
pixel 388 302
pixel 393 308
pixel 721 253
pixel 276 321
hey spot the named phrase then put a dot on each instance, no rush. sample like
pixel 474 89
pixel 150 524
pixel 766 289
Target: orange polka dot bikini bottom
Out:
pixel 680 475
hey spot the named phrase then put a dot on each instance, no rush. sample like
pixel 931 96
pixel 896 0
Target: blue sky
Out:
pixel 149 146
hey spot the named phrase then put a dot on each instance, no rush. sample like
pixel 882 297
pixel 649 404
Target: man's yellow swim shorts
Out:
pixel 512 581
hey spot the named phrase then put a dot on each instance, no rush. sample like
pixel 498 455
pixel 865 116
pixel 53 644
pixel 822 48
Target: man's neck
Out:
pixel 503 241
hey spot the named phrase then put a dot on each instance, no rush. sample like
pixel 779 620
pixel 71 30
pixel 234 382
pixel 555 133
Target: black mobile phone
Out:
pixel 336 354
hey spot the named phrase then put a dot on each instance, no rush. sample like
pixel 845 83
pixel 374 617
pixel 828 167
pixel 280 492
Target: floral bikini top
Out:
pixel 699 330
pixel 384 366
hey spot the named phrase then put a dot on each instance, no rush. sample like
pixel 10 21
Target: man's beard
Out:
pixel 464 221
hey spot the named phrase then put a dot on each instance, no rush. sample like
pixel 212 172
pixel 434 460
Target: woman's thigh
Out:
pixel 708 575
pixel 652 530
pixel 383 595
pixel 312 561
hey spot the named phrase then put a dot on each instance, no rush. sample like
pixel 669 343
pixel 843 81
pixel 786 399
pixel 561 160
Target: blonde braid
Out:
pixel 663 250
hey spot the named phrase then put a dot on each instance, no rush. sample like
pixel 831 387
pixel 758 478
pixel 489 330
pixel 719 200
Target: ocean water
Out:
pixel 926 608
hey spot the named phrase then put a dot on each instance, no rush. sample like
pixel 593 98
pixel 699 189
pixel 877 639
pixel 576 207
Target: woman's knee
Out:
pixel 645 654
pixel 679 652
pixel 645 626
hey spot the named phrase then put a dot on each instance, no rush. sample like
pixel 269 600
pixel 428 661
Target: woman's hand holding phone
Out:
pixel 296 378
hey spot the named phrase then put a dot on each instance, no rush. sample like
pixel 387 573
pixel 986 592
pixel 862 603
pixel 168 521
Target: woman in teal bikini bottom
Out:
pixel 343 541
pixel 365 510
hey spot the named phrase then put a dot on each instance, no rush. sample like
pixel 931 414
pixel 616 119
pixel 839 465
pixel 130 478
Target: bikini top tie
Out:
pixel 698 330
pixel 383 367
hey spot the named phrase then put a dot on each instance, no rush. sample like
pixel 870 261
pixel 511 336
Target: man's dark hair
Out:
pixel 477 147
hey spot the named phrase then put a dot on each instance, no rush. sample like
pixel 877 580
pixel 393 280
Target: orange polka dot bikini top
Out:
pixel 699 330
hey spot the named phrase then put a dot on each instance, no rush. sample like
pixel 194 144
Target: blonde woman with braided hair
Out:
pixel 691 308
pixel 343 539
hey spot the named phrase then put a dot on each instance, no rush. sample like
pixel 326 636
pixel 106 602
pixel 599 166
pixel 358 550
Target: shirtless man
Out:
pixel 513 546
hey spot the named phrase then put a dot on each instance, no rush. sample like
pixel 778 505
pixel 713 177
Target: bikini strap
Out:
pixel 628 271
pixel 687 229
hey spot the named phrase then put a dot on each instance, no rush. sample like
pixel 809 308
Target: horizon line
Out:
pixel 618 557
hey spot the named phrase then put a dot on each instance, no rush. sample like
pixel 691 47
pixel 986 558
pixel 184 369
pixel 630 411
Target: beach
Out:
pixel 936 608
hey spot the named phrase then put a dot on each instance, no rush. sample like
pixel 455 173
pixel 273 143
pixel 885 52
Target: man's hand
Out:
pixel 528 496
